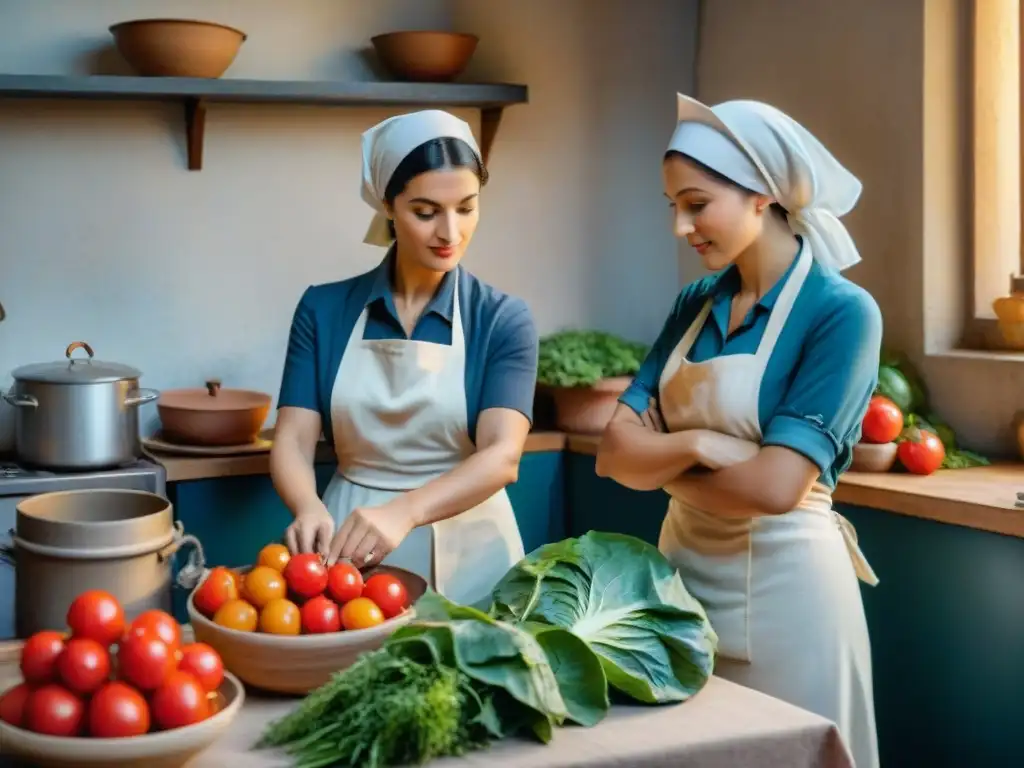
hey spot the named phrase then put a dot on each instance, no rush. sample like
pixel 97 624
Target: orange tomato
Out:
pixel 281 617
pixel 274 556
pixel 237 614
pixel 218 587
pixel 263 584
pixel 361 613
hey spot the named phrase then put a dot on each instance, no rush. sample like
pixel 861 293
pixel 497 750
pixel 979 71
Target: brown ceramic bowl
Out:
pixel 873 457
pixel 212 415
pixel 163 749
pixel 425 56
pixel 298 664
pixel 177 47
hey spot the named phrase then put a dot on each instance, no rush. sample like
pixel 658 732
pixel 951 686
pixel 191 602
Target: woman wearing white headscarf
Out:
pixel 749 404
pixel 418 373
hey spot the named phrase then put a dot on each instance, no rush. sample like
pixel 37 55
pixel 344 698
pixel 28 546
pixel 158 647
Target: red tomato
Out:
pixel 144 660
pixel 344 582
pixel 161 624
pixel 922 452
pixel 55 711
pixel 883 421
pixel 39 657
pixel 180 701
pixel 388 592
pixel 306 575
pixel 203 662
pixel 320 615
pixel 97 615
pixel 84 665
pixel 12 705
pixel 117 711
pixel 217 588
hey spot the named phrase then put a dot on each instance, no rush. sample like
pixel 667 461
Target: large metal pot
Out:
pixel 120 541
pixel 78 413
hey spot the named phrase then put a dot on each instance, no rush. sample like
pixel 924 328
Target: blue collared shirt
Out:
pixel 820 376
pixel 501 339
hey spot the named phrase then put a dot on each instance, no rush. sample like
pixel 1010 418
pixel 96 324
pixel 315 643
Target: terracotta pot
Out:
pixel 425 56
pixel 177 47
pixel 873 457
pixel 212 416
pixel 587 410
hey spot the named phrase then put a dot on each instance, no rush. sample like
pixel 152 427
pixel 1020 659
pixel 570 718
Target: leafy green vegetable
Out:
pixel 583 358
pixel 622 597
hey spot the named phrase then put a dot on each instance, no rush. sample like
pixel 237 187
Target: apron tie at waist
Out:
pixel 861 566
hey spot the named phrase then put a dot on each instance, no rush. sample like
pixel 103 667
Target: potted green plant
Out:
pixel 585 372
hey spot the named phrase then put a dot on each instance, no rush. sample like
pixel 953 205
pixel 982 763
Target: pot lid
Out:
pixel 213 398
pixel 78 370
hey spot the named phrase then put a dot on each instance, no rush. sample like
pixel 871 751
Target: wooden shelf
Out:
pixel 195 94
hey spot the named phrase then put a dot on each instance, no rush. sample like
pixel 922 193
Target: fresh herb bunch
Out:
pixel 582 358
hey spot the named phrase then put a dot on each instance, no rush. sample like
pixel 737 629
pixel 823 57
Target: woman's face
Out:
pixel 435 217
pixel 720 221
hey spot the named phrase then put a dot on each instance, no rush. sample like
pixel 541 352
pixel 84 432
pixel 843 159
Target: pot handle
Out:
pixel 140 396
pixel 20 401
pixel 193 571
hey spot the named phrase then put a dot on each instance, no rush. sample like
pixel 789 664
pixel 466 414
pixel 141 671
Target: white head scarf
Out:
pixel 768 152
pixel 388 143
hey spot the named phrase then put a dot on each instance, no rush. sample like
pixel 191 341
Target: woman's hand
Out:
pixel 370 534
pixel 311 530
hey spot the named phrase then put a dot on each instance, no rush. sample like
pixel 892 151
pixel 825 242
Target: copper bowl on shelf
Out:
pixel 212 416
pixel 432 57
pixel 177 47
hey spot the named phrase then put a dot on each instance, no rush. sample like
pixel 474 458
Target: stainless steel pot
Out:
pixel 78 413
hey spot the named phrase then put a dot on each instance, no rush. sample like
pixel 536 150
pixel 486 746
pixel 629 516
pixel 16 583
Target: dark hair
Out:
pixel 433 155
pixel 776 208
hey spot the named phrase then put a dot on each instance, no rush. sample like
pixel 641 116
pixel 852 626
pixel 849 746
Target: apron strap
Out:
pixel 861 566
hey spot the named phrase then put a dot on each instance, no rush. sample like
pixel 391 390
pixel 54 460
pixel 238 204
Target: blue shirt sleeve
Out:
pixel 820 415
pixel 299 387
pixel 510 373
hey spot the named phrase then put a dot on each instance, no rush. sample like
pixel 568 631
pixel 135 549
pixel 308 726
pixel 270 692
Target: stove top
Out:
pixel 18 480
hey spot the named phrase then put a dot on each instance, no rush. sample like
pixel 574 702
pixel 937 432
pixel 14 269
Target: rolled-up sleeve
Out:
pixel 820 415
pixel 299 388
pixel 510 376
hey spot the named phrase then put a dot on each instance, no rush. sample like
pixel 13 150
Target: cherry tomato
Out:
pixel 217 588
pixel 159 623
pixel 144 660
pixel 39 657
pixel 84 665
pixel 203 662
pixel 281 617
pixel 883 421
pixel 344 582
pixel 97 615
pixel 274 556
pixel 263 584
pixel 117 711
pixel 12 705
pixel 55 711
pixel 237 614
pixel 922 452
pixel 320 615
pixel 361 613
pixel 180 701
pixel 388 592
pixel 306 575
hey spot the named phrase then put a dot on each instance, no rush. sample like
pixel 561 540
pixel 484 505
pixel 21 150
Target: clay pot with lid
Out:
pixel 213 415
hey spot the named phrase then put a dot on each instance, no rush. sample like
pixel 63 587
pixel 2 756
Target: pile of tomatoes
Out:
pixel 291 595
pixel 76 685
pixel 919 450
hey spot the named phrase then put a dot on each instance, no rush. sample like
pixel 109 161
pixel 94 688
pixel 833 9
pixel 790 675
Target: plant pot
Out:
pixel 587 410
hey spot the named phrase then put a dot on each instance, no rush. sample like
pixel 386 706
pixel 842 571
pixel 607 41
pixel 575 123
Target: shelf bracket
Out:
pixel 490 119
pixel 195 128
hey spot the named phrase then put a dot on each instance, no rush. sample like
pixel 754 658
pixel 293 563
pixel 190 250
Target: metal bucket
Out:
pixel 120 541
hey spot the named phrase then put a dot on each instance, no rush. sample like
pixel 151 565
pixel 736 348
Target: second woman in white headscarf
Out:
pixel 418 373
pixel 748 407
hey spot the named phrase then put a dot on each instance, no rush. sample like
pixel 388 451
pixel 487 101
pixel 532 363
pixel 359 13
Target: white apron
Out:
pixel 781 591
pixel 399 417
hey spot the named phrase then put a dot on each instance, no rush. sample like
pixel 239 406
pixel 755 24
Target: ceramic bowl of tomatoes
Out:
pixel 107 692
pixel 287 623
